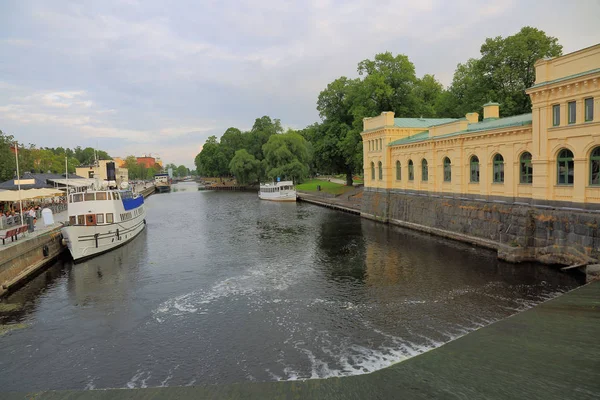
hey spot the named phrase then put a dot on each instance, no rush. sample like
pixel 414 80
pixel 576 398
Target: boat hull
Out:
pixel 85 242
pixel 163 188
pixel 286 199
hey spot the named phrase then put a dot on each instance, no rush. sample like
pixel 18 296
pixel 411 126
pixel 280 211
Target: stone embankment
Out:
pixel 518 232
pixel 23 259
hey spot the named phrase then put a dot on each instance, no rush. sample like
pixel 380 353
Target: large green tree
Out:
pixel 502 74
pixel 212 161
pixel 244 167
pixel 286 156
pixel 260 133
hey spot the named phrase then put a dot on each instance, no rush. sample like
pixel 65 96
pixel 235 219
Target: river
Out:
pixel 222 287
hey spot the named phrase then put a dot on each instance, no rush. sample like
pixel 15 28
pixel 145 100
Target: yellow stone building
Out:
pixel 99 171
pixel 550 156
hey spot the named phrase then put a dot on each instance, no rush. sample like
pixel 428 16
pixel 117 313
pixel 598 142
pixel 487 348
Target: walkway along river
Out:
pixel 224 288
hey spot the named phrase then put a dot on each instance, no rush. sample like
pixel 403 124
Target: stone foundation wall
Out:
pixel 519 232
pixel 19 262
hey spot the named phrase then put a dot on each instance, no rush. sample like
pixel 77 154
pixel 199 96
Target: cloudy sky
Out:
pixel 159 77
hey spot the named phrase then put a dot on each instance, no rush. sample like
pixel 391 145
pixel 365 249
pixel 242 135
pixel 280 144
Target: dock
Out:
pixel 346 203
pixel 550 351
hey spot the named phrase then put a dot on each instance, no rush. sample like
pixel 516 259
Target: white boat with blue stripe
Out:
pixel 102 219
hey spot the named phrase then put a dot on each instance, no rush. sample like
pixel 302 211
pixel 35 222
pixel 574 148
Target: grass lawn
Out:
pixel 328 187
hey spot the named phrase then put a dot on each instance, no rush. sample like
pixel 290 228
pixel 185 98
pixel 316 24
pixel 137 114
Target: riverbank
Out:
pixel 548 352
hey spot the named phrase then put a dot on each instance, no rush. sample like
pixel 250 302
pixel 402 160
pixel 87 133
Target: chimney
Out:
pixel 491 111
pixel 472 117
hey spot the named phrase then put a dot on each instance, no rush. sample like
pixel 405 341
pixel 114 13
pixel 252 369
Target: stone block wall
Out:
pixel 519 232
pixel 19 262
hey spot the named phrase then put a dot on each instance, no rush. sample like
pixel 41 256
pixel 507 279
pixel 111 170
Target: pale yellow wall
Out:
pixel 580 137
pixel 450 127
pixel 541 139
pixel 510 144
pixel 570 64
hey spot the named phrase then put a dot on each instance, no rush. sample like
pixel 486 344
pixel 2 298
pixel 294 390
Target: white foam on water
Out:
pixel 90 385
pixel 264 278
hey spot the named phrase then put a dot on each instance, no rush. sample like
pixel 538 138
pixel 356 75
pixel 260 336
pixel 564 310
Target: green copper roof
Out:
pixel 515 120
pixel 486 125
pixel 564 78
pixel 417 137
pixel 491 103
pixel 420 122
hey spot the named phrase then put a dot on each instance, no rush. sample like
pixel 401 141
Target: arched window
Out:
pixel 424 171
pixel 474 168
pixel 498 168
pixel 398 171
pixel 565 167
pixel 526 170
pixel 411 171
pixel 447 170
pixel 372 171
pixel 380 171
pixel 595 167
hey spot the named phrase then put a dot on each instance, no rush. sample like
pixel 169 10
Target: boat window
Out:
pixel 77 198
pixel 109 218
pixel 116 194
pixel 72 220
pixel 100 218
pixel 89 197
pixel 81 220
pixel 101 196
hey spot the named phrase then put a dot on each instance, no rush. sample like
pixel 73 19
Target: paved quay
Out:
pixel 349 202
pixel 550 351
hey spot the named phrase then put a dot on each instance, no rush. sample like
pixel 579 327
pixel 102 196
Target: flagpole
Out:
pixel 19 179
pixel 67 176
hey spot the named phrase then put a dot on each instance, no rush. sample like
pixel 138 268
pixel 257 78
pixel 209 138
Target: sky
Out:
pixel 159 77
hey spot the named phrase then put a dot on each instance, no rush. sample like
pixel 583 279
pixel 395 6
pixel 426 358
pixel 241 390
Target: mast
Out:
pixel 67 177
pixel 19 179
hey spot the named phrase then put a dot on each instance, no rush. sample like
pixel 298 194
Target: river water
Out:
pixel 222 287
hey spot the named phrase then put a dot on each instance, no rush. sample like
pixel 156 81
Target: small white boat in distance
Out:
pixel 279 191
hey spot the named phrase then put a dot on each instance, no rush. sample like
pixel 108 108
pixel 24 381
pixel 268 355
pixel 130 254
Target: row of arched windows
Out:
pixel 564 164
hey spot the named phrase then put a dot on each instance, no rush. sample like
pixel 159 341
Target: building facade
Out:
pixel 550 156
pixel 99 171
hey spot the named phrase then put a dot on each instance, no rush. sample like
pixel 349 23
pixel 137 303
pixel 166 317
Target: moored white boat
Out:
pixel 101 220
pixel 279 191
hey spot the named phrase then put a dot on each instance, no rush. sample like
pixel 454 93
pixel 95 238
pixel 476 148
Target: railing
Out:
pixel 16 220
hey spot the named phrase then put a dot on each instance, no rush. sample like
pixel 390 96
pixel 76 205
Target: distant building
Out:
pixel 146 161
pixel 549 156
pixel 119 162
pixel 91 171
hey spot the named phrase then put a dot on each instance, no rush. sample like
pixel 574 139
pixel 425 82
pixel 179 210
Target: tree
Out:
pixel 211 161
pixel 338 138
pixel 7 158
pixel 260 133
pixel 133 168
pixel 182 171
pixel 504 71
pixel 286 156
pixel 244 166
